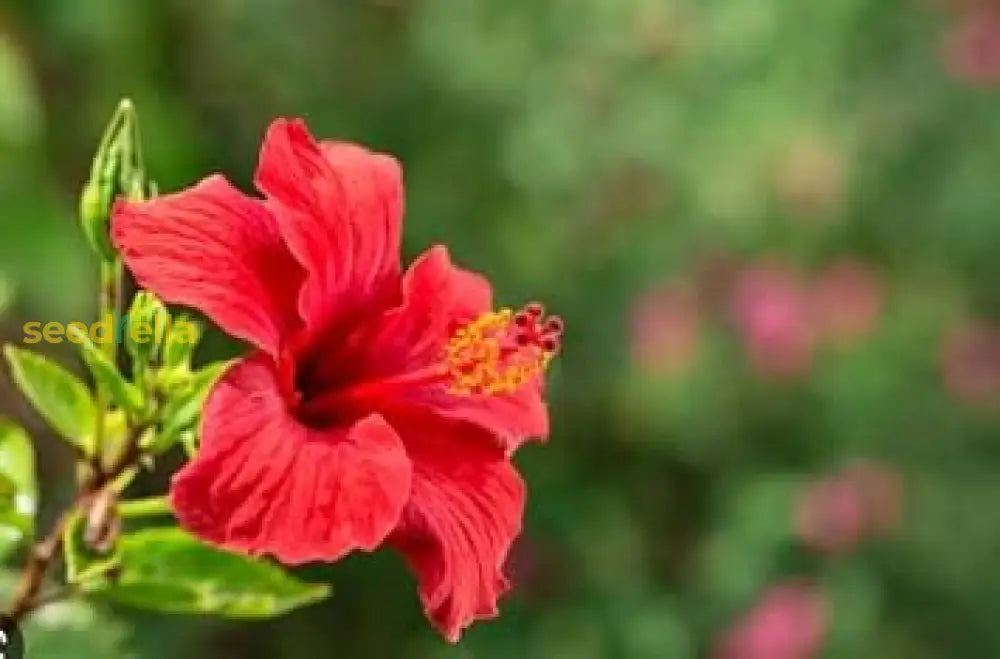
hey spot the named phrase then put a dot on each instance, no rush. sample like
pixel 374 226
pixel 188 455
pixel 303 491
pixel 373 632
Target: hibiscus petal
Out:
pixel 437 298
pixel 213 248
pixel 464 513
pixel 372 185
pixel 263 483
pixel 472 293
pixel 412 336
pixel 340 208
pixel 514 418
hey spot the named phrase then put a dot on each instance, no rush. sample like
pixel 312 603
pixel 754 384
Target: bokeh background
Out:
pixel 773 228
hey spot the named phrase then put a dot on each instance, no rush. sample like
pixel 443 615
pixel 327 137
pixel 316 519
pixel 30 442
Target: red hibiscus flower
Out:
pixel 377 407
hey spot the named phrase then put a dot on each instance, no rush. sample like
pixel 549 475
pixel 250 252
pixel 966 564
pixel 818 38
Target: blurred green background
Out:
pixel 773 228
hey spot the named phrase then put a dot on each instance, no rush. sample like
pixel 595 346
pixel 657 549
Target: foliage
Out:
pixel 115 429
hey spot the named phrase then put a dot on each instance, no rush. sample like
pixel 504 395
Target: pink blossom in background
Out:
pixel 772 313
pixel 783 318
pixel 837 512
pixel 790 621
pixel 830 516
pixel 970 362
pixel 972 46
pixel 665 329
pixel 847 301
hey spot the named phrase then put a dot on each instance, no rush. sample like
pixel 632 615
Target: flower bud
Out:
pixel 116 168
pixel 148 322
pixel 95 207
pixel 183 337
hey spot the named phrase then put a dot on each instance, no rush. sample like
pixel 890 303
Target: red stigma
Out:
pixel 498 352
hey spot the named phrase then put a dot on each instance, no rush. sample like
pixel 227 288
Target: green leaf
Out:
pixel 18 487
pixel 76 629
pixel 124 394
pixel 58 395
pixel 167 570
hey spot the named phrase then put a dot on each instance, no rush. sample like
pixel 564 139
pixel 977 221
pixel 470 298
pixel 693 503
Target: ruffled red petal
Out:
pixel 464 513
pixel 513 418
pixel 340 210
pixel 263 483
pixel 213 248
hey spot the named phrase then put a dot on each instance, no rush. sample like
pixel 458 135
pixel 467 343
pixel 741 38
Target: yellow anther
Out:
pixel 498 352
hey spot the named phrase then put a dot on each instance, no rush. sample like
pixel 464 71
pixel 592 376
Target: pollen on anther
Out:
pixel 499 352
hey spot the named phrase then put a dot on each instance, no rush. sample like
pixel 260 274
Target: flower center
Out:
pixel 500 351
pixel 494 354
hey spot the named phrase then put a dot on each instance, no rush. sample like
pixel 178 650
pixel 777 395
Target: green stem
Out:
pixel 110 298
pixel 145 507
pixel 109 304
pixel 42 555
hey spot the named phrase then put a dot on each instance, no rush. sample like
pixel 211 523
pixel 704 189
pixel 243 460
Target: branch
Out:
pixel 27 595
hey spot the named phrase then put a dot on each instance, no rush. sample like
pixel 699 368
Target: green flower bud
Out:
pixel 95 211
pixel 116 169
pixel 148 324
pixel 183 337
